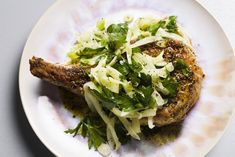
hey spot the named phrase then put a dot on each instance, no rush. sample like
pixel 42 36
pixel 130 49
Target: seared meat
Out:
pixel 73 78
pixel 70 77
pixel 189 87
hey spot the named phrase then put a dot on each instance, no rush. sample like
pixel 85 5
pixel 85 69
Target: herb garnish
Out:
pixel 117 35
pixel 126 84
pixel 92 127
pixel 181 65
pixel 154 28
pixel 171 25
pixel 171 85
pixel 110 100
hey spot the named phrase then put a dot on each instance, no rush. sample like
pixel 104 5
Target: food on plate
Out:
pixel 134 73
pixel 70 77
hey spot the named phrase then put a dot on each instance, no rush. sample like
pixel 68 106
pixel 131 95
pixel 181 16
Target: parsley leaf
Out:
pixel 130 71
pixel 122 68
pixel 126 68
pixel 171 25
pixel 103 98
pixel 186 72
pixel 146 80
pixel 90 52
pixel 135 66
pixel 141 79
pixel 147 94
pixel 181 65
pixel 124 102
pixel 171 85
pixel 100 24
pixel 94 128
pixel 117 35
pixel 133 77
pixel 154 28
pixel 122 134
pixel 73 57
pixel 136 50
pixel 110 100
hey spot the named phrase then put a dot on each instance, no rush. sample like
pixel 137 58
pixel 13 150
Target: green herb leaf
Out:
pixel 117 35
pixel 154 28
pixel 120 28
pixel 122 133
pixel 181 65
pixel 146 80
pixel 186 72
pixel 110 100
pixel 171 85
pixel 135 66
pixel 94 128
pixel 147 92
pixel 171 25
pixel 100 24
pixel 90 52
pixel 136 50
pixel 103 98
pixel 75 130
pixel 124 102
pixel 133 77
pixel 73 56
pixel 152 102
pixel 122 68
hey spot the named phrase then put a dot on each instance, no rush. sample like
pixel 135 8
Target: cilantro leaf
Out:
pixel 94 128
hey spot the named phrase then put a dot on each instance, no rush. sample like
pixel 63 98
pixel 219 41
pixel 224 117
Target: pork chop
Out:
pixel 73 78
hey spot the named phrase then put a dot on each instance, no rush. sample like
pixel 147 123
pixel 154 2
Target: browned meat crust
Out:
pixel 189 87
pixel 73 78
pixel 70 77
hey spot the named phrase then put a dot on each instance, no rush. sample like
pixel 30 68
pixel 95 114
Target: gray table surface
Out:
pixel 17 18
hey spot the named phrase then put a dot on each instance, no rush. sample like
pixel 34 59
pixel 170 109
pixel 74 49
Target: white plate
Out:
pixel 55 33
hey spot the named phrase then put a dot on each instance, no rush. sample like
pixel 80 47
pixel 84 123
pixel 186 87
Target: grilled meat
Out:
pixel 189 87
pixel 70 77
pixel 73 78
